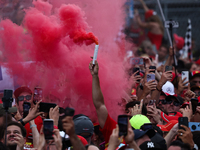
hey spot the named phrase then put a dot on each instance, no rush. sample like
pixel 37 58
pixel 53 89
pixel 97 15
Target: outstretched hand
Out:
pixel 94 69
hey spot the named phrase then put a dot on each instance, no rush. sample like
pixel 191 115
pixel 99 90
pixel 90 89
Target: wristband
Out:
pixel 55 127
pixel 22 122
pixel 158 89
pixel 33 125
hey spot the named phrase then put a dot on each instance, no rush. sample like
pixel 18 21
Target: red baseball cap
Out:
pixel 19 90
pixel 195 72
pixel 179 41
pixel 168 126
pixel 198 62
pixel 170 116
pixel 184 104
pixel 149 13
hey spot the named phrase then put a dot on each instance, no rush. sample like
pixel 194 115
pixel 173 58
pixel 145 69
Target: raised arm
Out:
pixel 148 25
pixel 97 95
pixel 170 59
pixel 144 6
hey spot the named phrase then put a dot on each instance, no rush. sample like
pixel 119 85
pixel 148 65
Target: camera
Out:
pixel 194 126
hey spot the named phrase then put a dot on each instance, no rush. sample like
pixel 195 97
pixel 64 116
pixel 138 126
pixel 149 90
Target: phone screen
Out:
pixel 185 74
pixel 48 128
pixel 168 68
pixel 136 69
pixel 150 77
pixel 26 107
pixel 182 121
pixel 151 102
pixel 152 67
pixel 123 123
pixel 194 102
pixel 136 61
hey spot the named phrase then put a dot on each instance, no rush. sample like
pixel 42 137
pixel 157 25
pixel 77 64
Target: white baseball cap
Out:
pixel 168 88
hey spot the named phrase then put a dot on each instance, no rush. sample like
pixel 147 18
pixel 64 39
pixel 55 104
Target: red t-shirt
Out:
pixel 109 125
pixel 38 121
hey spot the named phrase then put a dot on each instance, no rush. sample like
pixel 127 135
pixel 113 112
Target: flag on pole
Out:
pixel 188 42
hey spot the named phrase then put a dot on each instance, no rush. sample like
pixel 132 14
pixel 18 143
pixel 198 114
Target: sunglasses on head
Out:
pixel 21 98
pixel 174 102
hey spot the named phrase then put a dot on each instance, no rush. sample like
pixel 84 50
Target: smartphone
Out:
pixel 147 126
pixel 152 102
pixel 185 74
pixel 153 67
pixel 48 128
pixel 136 69
pixel 123 124
pixel 194 126
pixel 37 96
pixel 150 77
pixel 182 121
pixel 26 107
pixel 168 68
pixel 136 61
pixel 45 107
pixel 194 102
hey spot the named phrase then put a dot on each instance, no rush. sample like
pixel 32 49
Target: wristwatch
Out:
pixel 22 122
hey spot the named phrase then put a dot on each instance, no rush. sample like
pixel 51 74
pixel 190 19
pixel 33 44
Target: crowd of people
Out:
pixel 161 106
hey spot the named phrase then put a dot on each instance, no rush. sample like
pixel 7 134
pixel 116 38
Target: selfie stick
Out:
pixel 170 36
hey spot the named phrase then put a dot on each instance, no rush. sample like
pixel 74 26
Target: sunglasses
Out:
pixel 174 102
pixel 21 98
pixel 163 101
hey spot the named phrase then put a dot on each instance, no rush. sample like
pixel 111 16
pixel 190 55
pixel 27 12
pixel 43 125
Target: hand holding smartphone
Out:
pixel 182 121
pixel 150 77
pixel 135 69
pixel 153 67
pixel 152 102
pixel 136 61
pixel 168 68
pixel 185 74
pixel 48 128
pixel 123 124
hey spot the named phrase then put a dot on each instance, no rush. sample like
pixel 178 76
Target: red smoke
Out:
pixel 54 43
